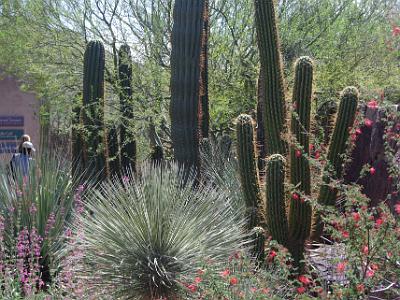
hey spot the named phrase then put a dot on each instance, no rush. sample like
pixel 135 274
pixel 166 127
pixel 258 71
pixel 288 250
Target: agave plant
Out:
pixel 145 234
pixel 36 207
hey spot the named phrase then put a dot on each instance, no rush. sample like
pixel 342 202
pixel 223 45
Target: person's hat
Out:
pixel 28 145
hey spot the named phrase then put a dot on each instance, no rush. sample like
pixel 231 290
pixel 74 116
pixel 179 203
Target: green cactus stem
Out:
pixel 113 149
pixel 205 114
pixel 247 159
pixel 300 211
pixel 128 143
pixel 336 151
pixel 271 66
pixel 275 195
pixel 93 113
pixel 186 84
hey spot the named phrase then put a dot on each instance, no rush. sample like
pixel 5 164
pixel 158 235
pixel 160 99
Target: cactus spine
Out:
pixel 271 67
pixel 128 144
pixel 300 211
pixel 248 171
pixel 186 80
pixel 275 195
pixel 337 148
pixel 93 110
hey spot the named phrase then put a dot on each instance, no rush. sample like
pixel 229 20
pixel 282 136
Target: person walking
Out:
pixel 21 161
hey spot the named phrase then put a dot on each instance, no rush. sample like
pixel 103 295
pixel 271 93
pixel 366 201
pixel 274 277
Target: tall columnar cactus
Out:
pixel 128 143
pixel 300 211
pixel 248 171
pixel 272 69
pixel 93 108
pixel 205 114
pixel 275 196
pixel 187 86
pixel 337 148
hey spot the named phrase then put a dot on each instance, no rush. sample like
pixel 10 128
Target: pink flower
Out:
pixel 373 104
pixel 365 250
pixel 358 131
pixel 360 288
pixel 301 290
pixel 345 234
pixel 397 208
pixel 298 153
pixel 271 255
pixel 378 222
pixel 372 171
pixel 192 288
pixel 356 216
pixel 198 280
pixel 341 267
pixel 395 31
pixel 225 273
pixel 233 281
pixel 295 196
pixel 368 122
pixel 370 273
pixel 304 280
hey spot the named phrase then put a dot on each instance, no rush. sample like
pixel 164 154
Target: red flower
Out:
pixel 341 267
pixel 301 290
pixel 225 273
pixel 372 104
pixel 304 280
pixel 311 147
pixel 365 250
pixel 395 31
pixel 316 155
pixel 345 234
pixel 356 216
pixel 271 255
pixel 295 196
pixel 265 291
pixel 378 222
pixel 397 208
pixel 372 171
pixel 192 288
pixel 298 153
pixel 233 281
pixel 374 267
pixel 370 273
pixel 368 122
pixel 358 131
pixel 360 288
pixel 198 280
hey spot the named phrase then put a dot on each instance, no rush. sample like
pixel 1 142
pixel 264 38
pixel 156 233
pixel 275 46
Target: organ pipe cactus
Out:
pixel 300 211
pixel 248 170
pixel 187 82
pixel 128 143
pixel 272 69
pixel 337 148
pixel 93 108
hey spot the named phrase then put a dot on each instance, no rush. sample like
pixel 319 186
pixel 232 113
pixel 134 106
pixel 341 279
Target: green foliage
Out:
pixel 146 232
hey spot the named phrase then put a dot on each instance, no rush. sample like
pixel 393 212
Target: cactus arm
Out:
pixel 246 152
pixel 275 196
pixel 300 211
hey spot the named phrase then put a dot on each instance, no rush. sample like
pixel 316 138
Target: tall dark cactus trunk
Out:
pixel 205 113
pixel 93 109
pixel 272 68
pixel 262 151
pixel 187 86
pixel 128 143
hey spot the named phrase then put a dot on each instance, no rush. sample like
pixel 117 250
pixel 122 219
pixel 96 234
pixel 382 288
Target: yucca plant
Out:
pixel 38 204
pixel 146 233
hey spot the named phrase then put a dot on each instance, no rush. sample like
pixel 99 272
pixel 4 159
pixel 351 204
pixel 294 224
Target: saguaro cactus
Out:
pixel 128 143
pixel 248 171
pixel 187 86
pixel 93 110
pixel 205 114
pixel 271 67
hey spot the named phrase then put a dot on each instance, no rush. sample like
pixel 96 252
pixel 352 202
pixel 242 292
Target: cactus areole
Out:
pixel 187 80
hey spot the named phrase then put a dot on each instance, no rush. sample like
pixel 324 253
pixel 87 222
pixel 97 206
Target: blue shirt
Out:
pixel 20 164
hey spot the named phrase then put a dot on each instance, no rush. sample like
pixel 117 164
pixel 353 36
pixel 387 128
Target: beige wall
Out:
pixel 14 102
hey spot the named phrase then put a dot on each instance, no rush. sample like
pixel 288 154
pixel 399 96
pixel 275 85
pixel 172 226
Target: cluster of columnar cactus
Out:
pixel 288 211
pixel 95 147
pixel 189 108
